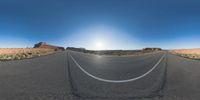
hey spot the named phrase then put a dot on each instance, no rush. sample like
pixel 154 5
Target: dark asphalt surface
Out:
pixel 183 79
pixel 57 77
pixel 116 68
pixel 42 78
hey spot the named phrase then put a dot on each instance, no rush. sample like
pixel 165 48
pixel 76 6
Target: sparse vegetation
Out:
pixel 22 53
pixel 187 53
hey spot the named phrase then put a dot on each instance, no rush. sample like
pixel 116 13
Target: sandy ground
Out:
pixel 21 53
pixel 22 50
pixel 188 53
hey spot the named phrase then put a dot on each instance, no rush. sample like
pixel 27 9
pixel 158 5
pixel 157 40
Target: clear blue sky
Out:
pixel 109 24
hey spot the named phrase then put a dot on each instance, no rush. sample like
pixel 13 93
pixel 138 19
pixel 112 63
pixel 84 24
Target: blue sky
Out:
pixel 115 24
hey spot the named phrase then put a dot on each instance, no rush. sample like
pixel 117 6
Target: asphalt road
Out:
pixel 78 76
pixel 95 76
pixel 42 78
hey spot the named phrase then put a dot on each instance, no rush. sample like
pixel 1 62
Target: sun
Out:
pixel 99 45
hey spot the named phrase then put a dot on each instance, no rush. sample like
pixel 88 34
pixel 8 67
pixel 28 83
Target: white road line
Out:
pixel 117 81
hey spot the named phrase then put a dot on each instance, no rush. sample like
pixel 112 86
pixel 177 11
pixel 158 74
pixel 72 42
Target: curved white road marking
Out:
pixel 118 81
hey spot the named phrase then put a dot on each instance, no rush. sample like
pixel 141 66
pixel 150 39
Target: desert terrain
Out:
pixel 187 53
pixel 39 49
pixel 21 53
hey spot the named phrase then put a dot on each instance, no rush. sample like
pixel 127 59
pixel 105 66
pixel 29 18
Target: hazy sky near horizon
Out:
pixel 101 24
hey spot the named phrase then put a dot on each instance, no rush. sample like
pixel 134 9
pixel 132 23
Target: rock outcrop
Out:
pixel 151 49
pixel 48 46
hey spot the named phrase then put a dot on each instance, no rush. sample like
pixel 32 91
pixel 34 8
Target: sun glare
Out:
pixel 99 46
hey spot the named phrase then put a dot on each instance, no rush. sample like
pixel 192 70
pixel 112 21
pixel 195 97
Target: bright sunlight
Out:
pixel 99 45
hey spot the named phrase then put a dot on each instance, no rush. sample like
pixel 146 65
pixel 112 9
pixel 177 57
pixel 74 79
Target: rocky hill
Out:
pixel 151 49
pixel 48 46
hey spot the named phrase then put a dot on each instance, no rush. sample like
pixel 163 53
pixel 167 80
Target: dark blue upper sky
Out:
pixel 115 24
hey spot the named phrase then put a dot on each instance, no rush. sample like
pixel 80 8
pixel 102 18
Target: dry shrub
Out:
pixel 189 53
pixel 21 53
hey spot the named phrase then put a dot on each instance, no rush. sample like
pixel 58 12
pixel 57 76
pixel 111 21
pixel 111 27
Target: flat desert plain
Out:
pixel 21 53
pixel 188 53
